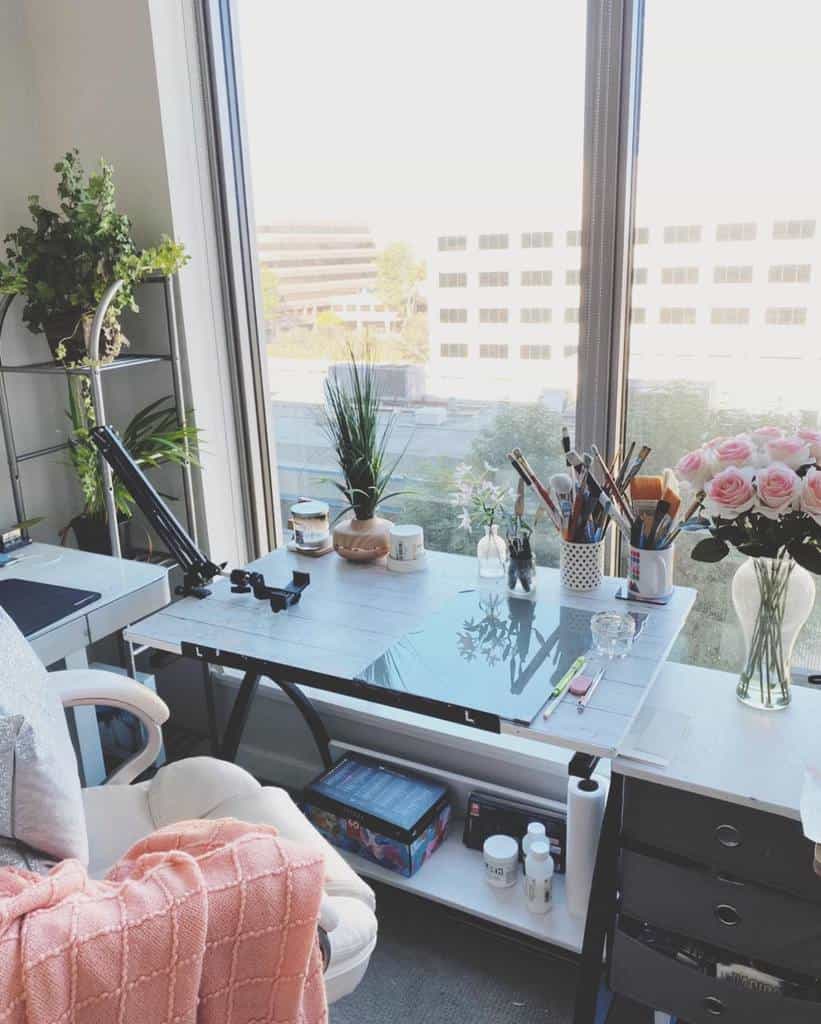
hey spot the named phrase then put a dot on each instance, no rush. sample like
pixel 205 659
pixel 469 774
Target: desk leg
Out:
pixel 602 910
pixel 211 709
pixel 239 716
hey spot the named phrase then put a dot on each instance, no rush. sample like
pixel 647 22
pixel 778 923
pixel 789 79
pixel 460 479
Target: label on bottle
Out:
pixel 537 893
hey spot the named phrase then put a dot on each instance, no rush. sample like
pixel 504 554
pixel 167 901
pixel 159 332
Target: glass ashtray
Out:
pixel 613 633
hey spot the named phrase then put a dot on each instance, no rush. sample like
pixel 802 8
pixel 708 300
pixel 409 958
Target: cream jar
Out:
pixel 501 854
pixel 407 551
pixel 311 525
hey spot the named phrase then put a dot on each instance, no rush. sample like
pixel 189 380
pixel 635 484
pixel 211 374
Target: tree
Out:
pixel 414 342
pixel 398 277
pixel 270 294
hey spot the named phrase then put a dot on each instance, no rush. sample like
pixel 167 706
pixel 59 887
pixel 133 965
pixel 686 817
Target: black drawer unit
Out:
pixel 740 916
pixel 747 844
pixel 655 979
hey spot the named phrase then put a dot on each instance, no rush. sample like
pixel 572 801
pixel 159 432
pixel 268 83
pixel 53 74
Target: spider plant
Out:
pixel 153 437
pixel 352 402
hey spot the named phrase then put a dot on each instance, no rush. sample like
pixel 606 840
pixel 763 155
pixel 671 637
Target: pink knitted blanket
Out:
pixel 207 921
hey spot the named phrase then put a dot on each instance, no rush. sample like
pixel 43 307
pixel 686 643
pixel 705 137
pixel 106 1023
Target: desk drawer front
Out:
pixel 656 980
pixel 738 841
pixel 761 923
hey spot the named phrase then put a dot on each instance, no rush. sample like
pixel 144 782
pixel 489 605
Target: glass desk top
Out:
pixel 488 652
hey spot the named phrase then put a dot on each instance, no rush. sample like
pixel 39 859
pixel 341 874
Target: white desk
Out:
pixel 351 614
pixel 128 590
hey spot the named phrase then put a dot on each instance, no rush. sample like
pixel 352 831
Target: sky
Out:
pixel 442 115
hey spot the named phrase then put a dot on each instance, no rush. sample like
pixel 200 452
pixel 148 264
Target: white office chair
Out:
pixel 118 814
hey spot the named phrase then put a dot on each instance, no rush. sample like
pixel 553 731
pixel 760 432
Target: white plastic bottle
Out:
pixel 539 878
pixel 535 834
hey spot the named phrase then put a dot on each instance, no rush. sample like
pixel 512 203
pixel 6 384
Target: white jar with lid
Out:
pixel 407 552
pixel 539 878
pixel 535 834
pixel 501 855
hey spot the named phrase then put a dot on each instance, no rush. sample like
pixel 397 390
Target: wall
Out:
pixel 85 75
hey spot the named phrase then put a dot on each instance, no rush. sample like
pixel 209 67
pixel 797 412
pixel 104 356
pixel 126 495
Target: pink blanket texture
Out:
pixel 206 921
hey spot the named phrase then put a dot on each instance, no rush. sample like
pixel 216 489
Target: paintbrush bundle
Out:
pixel 580 502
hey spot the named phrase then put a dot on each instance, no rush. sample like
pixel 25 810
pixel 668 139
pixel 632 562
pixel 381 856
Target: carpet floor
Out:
pixel 433 966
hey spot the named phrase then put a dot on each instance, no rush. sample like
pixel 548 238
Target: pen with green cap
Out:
pixel 558 691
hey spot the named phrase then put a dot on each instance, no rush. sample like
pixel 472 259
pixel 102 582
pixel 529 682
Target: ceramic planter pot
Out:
pixel 362 540
pixel 91 534
pixel 68 337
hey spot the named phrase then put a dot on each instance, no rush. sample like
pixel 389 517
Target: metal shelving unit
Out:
pixel 95 373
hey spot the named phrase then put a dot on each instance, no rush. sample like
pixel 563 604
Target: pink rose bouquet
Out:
pixel 760 493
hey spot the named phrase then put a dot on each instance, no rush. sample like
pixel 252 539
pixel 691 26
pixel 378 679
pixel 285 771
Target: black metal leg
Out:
pixel 239 716
pixel 312 719
pixel 602 910
pixel 210 709
pixel 242 706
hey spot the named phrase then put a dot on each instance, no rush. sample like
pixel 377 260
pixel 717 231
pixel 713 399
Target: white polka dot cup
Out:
pixel 581 565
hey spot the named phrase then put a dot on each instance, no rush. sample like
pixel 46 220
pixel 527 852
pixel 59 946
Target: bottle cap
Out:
pixel 535 828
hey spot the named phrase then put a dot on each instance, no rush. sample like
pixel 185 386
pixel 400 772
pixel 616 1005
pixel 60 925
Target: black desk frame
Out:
pixel 593 999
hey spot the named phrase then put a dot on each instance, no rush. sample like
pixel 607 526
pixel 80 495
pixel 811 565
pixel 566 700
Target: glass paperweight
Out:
pixel 613 633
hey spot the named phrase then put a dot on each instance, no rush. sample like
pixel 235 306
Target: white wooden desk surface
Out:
pixel 128 591
pixel 350 614
pixel 721 748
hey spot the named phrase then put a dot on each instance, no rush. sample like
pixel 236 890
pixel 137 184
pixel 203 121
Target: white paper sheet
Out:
pixel 811 811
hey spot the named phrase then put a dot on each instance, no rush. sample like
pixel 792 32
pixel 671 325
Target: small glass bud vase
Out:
pixel 773 598
pixel 521 576
pixel 491 552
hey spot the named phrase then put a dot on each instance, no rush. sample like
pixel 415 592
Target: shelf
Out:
pixel 120 363
pixel 454 877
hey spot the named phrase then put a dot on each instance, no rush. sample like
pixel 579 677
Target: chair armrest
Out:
pixel 78 687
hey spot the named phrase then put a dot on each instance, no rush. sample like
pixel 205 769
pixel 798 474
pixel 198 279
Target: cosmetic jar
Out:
pixel 613 633
pixel 310 525
pixel 407 549
pixel 536 833
pixel 501 855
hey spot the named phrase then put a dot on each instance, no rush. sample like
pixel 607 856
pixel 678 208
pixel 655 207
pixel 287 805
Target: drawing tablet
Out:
pixel 33 606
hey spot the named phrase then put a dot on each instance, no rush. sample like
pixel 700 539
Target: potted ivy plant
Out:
pixel 64 264
pixel 154 437
pixel 352 404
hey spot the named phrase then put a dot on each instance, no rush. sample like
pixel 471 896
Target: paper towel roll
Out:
pixel 585 811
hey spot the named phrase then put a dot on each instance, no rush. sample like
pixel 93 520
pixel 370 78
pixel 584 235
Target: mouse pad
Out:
pixel 33 606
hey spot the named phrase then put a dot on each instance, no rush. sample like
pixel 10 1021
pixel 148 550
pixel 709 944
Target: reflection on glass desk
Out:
pixel 488 652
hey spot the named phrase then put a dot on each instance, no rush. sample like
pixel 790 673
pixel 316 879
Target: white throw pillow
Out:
pixel 41 804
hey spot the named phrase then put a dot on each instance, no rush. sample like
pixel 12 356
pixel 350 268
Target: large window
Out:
pixel 452 211
pixel 745 174
pixel 434 235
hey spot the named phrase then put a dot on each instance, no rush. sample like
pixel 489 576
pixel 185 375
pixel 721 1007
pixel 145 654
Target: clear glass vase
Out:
pixel 492 554
pixel 773 598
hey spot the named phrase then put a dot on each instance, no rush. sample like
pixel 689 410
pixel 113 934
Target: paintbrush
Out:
pixel 638 462
pixel 566 443
pixel 696 504
pixel 525 471
pixel 625 464
pixel 611 486
pixel 562 487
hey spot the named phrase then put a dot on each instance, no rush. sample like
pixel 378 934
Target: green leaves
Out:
pixel 807 555
pixel 65 264
pixel 351 425
pixel 711 549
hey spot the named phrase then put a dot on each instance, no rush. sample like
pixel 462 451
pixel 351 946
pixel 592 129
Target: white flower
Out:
pixel 491 469
pixel 464 520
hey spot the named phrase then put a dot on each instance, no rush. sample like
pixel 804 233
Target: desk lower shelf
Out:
pixel 454 877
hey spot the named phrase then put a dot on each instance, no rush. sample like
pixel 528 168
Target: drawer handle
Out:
pixel 728 836
pixel 713 1005
pixel 727 915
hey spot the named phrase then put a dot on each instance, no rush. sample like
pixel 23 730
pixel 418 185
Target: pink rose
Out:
pixel 813 439
pixel 715 442
pixel 730 493
pixel 778 487
pixel 764 434
pixel 735 451
pixel 696 467
pixel 792 451
pixel 810 500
